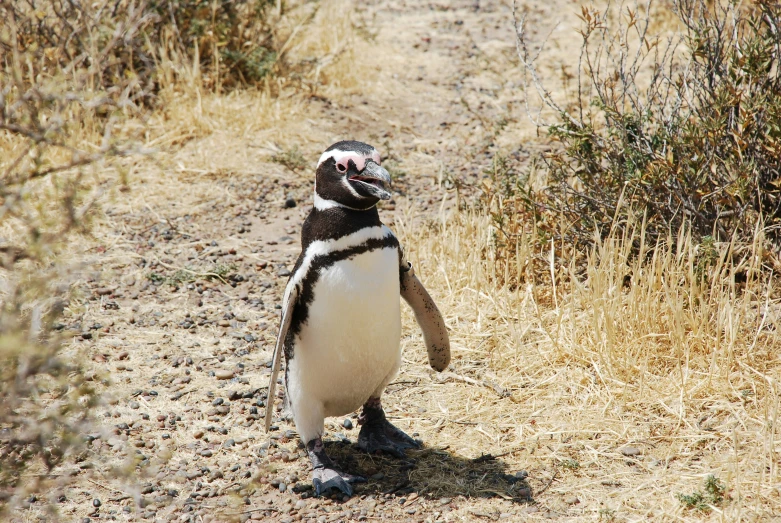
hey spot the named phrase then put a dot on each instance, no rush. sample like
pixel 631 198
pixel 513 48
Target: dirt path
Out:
pixel 181 310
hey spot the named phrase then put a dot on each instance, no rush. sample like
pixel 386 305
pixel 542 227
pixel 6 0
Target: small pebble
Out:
pixel 223 374
pixel 630 451
pixel 96 503
pixel 282 487
pixel 347 423
pixel 571 500
pixel 216 474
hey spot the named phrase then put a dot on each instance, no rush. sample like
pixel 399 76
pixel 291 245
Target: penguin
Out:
pixel 340 328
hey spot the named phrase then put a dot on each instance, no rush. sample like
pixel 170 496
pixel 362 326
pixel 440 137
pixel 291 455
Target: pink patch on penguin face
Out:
pixel 343 163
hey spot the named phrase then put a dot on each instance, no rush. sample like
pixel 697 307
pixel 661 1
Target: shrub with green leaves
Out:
pixel 233 39
pixel 682 129
pixel 713 495
pixel 147 41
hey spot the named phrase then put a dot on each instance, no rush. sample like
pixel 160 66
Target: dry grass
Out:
pixel 678 363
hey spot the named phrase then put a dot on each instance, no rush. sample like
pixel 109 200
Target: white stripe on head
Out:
pixel 323 247
pixel 322 204
pixel 350 188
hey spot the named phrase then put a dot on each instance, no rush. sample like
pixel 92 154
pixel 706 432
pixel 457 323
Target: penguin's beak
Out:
pixel 375 180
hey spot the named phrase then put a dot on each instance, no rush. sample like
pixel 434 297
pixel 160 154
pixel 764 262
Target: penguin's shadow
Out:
pixel 431 473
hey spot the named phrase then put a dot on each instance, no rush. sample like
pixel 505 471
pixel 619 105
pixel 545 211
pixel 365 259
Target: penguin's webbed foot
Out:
pixel 378 434
pixel 325 474
pixel 328 478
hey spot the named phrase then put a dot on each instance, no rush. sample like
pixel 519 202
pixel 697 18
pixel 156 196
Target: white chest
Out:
pixel 350 343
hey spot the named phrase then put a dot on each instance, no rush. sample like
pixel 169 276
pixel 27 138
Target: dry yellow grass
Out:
pixel 680 364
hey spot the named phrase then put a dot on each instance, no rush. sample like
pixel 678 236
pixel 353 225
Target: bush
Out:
pixel 713 496
pixel 62 115
pixel 232 41
pixel 142 40
pixel 680 130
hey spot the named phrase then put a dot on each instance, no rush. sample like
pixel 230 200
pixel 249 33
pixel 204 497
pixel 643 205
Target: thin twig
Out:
pixel 489 457
pixel 106 487
pixel 550 482
pixel 250 511
pixel 528 63
pixel 502 392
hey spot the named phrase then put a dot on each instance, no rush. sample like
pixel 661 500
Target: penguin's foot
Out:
pixel 328 478
pixel 325 474
pixel 377 433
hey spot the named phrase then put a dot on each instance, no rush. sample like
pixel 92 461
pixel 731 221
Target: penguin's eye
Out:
pixel 341 167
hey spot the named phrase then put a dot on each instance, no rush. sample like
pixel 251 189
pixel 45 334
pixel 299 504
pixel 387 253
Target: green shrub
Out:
pixel 233 38
pixel 143 40
pixel 684 129
pixel 713 495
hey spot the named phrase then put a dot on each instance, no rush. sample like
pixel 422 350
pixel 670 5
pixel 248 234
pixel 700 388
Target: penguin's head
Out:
pixel 349 175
